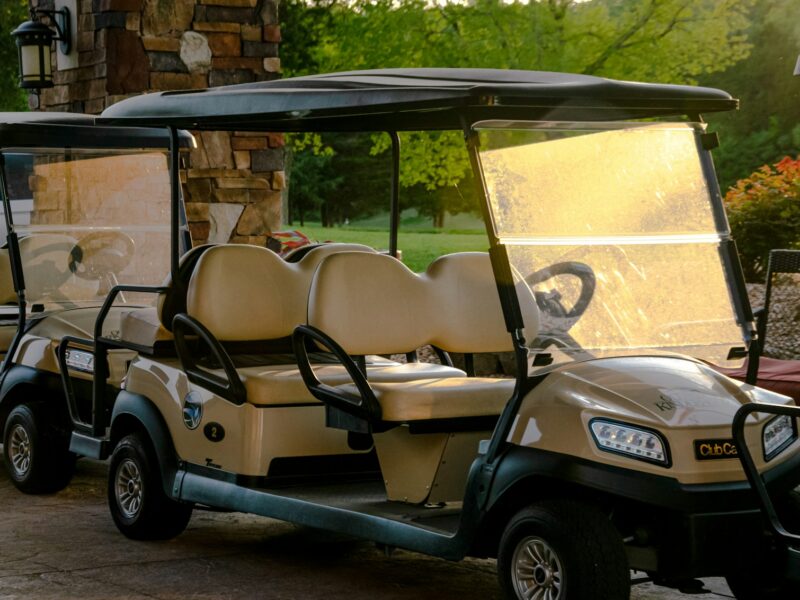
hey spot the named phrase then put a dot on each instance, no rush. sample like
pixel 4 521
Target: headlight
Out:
pixel 632 441
pixel 80 360
pixel 778 434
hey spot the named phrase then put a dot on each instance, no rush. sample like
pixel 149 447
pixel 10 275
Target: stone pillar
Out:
pixel 233 182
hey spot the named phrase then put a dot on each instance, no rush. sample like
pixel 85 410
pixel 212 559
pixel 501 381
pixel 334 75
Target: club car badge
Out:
pixel 192 410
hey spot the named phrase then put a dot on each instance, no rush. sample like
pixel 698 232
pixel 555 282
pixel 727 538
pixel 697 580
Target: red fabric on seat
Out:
pixel 781 376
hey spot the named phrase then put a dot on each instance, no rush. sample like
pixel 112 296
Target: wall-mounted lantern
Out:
pixel 34 41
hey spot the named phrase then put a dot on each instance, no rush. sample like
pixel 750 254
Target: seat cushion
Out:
pixel 450 398
pixel 283 384
pixel 142 326
pixel 779 376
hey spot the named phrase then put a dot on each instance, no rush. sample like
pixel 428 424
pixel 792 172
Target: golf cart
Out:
pixel 86 208
pixel 610 275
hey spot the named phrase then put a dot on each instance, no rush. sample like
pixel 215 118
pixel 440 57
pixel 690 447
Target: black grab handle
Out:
pixel 749 466
pixel 364 406
pixel 229 387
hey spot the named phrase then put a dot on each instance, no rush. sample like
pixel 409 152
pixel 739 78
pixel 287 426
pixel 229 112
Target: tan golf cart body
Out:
pixel 292 389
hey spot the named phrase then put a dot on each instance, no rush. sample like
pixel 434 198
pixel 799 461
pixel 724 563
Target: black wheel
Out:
pixel 763 577
pixel 140 508
pixel 36 451
pixel 562 550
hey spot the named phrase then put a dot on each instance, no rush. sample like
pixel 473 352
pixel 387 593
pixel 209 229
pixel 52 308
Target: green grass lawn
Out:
pixel 419 248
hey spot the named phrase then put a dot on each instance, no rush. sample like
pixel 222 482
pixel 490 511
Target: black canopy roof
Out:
pixel 53 118
pixel 409 99
pixel 75 130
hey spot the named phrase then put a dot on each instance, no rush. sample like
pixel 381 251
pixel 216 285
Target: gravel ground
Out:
pixel 783 324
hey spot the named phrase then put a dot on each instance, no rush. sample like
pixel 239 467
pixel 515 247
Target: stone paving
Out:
pixel 65 546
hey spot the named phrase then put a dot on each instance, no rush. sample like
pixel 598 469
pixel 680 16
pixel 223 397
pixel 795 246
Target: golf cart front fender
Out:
pixel 531 473
pixel 21 383
pixel 134 412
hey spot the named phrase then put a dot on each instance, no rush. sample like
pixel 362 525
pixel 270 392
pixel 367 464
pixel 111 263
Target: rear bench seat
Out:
pixel 151 328
pixel 373 304
pixel 246 293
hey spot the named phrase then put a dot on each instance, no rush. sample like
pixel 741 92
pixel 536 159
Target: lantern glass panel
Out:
pixel 31 64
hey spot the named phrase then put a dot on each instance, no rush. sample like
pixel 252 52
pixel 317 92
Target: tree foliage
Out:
pixel 647 40
pixel 764 213
pixel 12 13
pixel 767 124
pixel 663 40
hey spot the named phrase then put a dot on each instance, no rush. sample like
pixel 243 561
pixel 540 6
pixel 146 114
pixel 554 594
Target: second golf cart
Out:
pixel 86 208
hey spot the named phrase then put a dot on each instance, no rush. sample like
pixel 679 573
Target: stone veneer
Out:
pixel 233 182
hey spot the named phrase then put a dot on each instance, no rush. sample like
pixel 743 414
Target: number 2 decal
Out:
pixel 214 432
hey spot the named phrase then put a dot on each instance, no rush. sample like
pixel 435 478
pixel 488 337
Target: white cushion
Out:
pixel 449 398
pixel 283 384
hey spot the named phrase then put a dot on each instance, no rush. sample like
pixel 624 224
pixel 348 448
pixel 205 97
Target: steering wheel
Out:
pixel 550 301
pixel 45 258
pixel 556 320
pixel 100 254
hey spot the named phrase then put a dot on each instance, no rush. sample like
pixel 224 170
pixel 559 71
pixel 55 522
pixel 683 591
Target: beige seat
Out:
pixel 373 304
pixel 283 384
pixel 246 293
pixel 453 398
pixel 148 327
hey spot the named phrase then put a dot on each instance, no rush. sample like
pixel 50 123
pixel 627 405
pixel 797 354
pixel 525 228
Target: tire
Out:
pixel 140 508
pixel 762 578
pixel 571 550
pixel 35 451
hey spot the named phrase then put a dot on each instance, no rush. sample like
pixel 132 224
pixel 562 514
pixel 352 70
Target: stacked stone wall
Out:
pixel 232 181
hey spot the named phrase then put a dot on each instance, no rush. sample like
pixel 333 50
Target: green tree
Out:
pixel 648 40
pixel 767 125
pixel 12 13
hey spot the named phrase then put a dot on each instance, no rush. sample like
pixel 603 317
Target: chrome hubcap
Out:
pixel 129 488
pixel 537 573
pixel 20 451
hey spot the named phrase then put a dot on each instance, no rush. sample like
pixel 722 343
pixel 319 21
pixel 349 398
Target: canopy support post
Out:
pixel 16 267
pixel 394 216
pixel 175 200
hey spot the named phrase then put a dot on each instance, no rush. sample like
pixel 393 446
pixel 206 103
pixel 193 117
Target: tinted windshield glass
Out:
pixel 617 234
pixel 88 220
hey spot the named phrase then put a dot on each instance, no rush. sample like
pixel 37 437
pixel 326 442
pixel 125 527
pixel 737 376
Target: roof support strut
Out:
pixel 16 267
pixel 175 200
pixel 394 217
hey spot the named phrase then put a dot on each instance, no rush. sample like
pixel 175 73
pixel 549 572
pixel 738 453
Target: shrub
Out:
pixel 764 213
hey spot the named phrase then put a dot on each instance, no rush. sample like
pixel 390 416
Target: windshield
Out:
pixel 87 220
pixel 617 233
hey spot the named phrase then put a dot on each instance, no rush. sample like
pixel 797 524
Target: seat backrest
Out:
pixel 471 317
pixel 249 293
pixel 173 301
pixel 322 250
pixel 373 304
pixel 243 293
